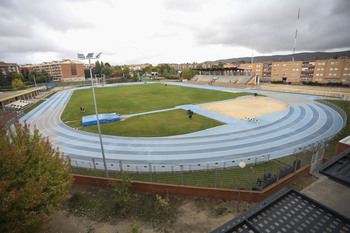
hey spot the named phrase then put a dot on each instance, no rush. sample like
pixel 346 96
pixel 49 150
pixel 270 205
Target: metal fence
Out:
pixel 258 174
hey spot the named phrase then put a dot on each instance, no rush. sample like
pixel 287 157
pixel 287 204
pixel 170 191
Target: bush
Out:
pixel 123 194
pixel 34 179
pixel 17 83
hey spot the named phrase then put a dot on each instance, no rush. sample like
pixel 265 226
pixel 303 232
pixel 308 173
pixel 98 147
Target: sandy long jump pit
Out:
pixel 251 107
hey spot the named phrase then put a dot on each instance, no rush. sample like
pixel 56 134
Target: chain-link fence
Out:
pixel 259 172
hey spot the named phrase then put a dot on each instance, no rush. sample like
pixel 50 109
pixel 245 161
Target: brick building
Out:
pixel 6 68
pixel 62 71
pixel 321 71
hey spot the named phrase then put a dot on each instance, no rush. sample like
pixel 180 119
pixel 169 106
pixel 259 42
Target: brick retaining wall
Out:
pixel 170 189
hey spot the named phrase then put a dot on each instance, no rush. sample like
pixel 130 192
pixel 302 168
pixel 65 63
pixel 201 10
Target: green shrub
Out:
pixel 123 194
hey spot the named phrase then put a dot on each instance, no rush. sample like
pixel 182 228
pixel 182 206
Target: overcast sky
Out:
pixel 168 31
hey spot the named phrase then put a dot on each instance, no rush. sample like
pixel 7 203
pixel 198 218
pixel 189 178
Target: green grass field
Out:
pixel 133 99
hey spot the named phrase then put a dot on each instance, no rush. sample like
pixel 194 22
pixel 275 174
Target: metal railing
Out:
pixel 258 174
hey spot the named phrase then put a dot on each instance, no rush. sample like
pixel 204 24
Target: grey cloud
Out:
pixel 22 15
pixel 270 26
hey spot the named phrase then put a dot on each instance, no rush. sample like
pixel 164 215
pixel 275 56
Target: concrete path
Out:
pixel 278 134
pixel 330 193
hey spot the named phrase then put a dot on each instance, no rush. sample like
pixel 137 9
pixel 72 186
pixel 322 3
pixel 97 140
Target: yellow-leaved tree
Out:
pixel 34 179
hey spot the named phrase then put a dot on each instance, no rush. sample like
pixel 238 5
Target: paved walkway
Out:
pixel 277 135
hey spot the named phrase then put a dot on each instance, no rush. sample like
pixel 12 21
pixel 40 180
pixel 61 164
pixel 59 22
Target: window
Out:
pixel 337 63
pixel 347 62
pixel 330 75
pixel 345 74
pixel 297 64
pixel 317 74
pixel 321 75
pixel 331 69
pixel 335 68
pixel 297 69
pixel 284 64
pixel 319 63
pixel 334 74
pixel 286 69
pixel 332 63
pixel 323 63
pixel 318 68
pixel 322 68
pixel 346 68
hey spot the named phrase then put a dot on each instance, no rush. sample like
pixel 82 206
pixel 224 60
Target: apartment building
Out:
pixel 62 71
pixel 321 71
pixel 6 68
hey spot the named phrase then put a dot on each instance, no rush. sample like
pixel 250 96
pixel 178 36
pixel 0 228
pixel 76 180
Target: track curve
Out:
pixel 304 123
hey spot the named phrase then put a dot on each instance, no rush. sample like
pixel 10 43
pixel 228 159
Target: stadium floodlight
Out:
pixel 98 55
pixel 89 57
pixel 81 56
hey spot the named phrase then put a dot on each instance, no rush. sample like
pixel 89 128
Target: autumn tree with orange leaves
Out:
pixel 34 179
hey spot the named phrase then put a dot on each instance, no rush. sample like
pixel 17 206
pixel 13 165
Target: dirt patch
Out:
pixel 251 107
pixel 194 214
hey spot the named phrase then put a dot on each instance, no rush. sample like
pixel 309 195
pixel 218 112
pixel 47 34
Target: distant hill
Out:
pixel 297 57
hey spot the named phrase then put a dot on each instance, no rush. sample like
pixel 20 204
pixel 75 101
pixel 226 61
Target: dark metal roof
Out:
pixel 287 211
pixel 338 168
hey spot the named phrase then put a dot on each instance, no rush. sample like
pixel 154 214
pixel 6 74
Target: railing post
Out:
pixel 216 177
pixel 121 167
pixel 182 174
pixel 93 162
pixel 150 171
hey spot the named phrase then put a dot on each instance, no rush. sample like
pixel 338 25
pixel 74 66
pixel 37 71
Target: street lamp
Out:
pixel 241 165
pixel 89 57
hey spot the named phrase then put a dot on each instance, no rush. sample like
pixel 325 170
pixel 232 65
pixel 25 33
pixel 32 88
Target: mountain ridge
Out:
pixel 288 57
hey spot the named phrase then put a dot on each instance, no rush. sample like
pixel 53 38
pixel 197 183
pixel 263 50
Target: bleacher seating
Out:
pixel 18 105
pixel 225 79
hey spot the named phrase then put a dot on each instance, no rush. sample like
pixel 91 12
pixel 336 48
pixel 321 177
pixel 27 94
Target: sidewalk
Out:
pixel 330 193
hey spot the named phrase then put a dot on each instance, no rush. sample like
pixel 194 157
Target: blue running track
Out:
pixel 304 123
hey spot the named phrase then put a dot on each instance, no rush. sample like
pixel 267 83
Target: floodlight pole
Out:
pixel 241 165
pixel 98 123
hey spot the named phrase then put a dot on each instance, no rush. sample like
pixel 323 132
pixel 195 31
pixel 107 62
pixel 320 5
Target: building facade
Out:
pixel 61 71
pixel 6 68
pixel 296 72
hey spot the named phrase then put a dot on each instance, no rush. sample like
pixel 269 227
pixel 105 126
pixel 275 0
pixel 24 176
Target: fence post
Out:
pixel 150 171
pixel 263 180
pixel 279 172
pixel 93 161
pixel 70 164
pixel 121 167
pixel 295 162
pixel 251 179
pixel 216 177
pixel 182 174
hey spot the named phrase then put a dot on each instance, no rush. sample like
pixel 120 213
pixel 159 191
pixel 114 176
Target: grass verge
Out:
pixel 33 106
pixel 125 100
pixel 160 124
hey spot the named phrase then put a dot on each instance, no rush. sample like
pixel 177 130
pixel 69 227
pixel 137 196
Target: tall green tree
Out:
pixel 13 75
pixel 98 68
pixel 34 179
pixel 188 73
pixel 107 71
pixel 16 83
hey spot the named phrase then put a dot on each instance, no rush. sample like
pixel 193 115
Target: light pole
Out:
pixel 89 57
pixel 241 165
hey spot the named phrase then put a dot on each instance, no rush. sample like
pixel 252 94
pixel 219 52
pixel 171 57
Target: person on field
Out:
pixel 81 109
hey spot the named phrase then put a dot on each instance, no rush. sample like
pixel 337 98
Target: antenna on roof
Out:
pixel 296 35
